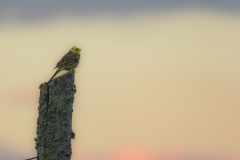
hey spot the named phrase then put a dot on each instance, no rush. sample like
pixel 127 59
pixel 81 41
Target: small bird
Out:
pixel 68 62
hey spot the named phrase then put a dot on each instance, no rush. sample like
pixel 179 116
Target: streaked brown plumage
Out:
pixel 68 62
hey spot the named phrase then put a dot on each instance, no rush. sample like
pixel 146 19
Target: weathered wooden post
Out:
pixel 54 124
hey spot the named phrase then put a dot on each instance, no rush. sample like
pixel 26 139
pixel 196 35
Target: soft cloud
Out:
pixel 36 10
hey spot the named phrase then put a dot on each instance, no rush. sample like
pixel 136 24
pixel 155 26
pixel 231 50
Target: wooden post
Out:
pixel 54 124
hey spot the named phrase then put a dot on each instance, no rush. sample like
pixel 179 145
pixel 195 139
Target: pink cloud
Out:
pixel 20 96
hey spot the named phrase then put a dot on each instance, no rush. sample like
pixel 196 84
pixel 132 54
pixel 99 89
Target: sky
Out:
pixel 156 78
pixel 35 10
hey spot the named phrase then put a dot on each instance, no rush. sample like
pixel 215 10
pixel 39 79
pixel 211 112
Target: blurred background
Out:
pixel 157 80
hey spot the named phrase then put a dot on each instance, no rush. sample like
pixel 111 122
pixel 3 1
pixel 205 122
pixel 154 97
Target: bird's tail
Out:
pixel 54 75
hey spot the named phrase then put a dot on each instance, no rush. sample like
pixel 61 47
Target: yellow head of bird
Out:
pixel 75 49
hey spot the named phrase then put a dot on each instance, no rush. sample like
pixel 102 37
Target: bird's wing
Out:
pixel 64 60
pixel 67 59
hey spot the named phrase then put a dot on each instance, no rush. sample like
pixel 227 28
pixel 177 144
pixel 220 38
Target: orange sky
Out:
pixel 161 80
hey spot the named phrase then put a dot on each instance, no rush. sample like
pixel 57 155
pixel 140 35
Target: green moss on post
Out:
pixel 54 124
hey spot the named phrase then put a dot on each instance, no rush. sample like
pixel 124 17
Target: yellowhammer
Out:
pixel 69 61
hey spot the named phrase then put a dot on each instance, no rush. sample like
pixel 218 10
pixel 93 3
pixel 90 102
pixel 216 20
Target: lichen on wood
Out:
pixel 54 124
